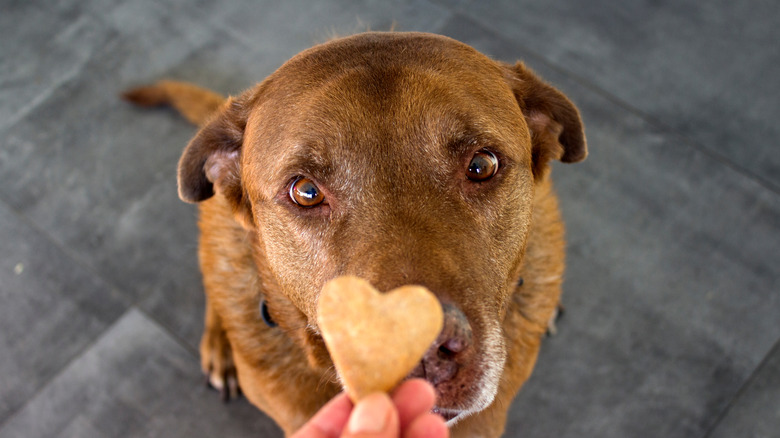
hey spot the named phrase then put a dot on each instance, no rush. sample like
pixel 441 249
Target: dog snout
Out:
pixel 443 360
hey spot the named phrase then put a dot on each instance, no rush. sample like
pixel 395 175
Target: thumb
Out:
pixel 374 416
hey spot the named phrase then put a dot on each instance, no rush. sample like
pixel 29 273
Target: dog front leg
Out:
pixel 216 356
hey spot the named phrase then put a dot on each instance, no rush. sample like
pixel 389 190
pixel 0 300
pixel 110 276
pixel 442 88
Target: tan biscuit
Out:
pixel 376 339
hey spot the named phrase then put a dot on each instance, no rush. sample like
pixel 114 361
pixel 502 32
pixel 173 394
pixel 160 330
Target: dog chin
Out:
pixel 483 399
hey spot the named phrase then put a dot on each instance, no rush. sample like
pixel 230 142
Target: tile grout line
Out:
pixel 59 372
pixel 111 288
pixel 647 117
pixel 172 333
pixel 89 269
pixel 47 93
pixel 87 348
pixel 743 388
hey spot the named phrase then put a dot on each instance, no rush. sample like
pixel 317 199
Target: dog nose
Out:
pixel 441 361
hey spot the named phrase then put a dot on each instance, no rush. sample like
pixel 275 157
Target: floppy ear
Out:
pixel 211 162
pixel 555 124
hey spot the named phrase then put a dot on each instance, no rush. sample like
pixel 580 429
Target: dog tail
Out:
pixel 196 104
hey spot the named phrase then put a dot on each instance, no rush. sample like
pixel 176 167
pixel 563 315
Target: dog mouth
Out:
pixel 459 387
pixel 466 382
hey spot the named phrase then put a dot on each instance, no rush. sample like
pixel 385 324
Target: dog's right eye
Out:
pixel 483 166
pixel 305 193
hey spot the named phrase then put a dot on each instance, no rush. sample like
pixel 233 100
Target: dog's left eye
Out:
pixel 305 193
pixel 483 166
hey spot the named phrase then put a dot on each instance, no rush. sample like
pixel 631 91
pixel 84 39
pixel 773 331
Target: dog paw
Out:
pixel 217 363
pixel 552 328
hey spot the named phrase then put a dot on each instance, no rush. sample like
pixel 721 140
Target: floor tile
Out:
pixel 100 185
pixel 710 70
pixel 756 412
pixel 50 45
pixel 35 60
pixel 668 251
pixel 136 381
pixel 52 309
pixel 295 25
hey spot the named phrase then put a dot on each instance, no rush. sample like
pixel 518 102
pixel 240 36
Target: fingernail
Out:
pixel 370 414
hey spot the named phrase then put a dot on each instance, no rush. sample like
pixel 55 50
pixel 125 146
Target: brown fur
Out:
pixel 385 124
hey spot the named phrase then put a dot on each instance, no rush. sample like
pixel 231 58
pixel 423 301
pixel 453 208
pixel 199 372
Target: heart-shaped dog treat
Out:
pixel 376 339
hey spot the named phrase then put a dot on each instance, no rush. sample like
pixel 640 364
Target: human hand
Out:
pixel 407 414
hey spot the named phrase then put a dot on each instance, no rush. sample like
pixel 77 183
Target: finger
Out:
pixel 427 426
pixel 374 416
pixel 412 399
pixel 329 422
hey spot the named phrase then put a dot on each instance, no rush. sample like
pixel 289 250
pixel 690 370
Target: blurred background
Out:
pixel 672 291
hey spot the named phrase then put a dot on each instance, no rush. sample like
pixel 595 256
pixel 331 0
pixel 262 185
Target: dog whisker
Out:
pixel 329 375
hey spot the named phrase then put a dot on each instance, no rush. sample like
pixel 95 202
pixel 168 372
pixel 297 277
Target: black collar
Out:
pixel 266 315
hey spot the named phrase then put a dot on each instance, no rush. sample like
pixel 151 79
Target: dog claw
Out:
pixel 229 389
pixel 552 328
pixel 233 388
pixel 226 384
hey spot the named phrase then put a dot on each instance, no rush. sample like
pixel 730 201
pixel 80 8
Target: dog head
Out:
pixel 399 158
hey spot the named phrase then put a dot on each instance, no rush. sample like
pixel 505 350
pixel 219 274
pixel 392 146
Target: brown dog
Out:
pixel 402 158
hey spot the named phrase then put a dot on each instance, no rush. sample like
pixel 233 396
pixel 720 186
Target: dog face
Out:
pixel 399 158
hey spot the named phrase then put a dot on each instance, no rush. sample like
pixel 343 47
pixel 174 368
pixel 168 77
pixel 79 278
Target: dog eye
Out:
pixel 305 193
pixel 483 166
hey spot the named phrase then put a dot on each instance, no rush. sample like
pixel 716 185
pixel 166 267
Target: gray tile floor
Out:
pixel 673 283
